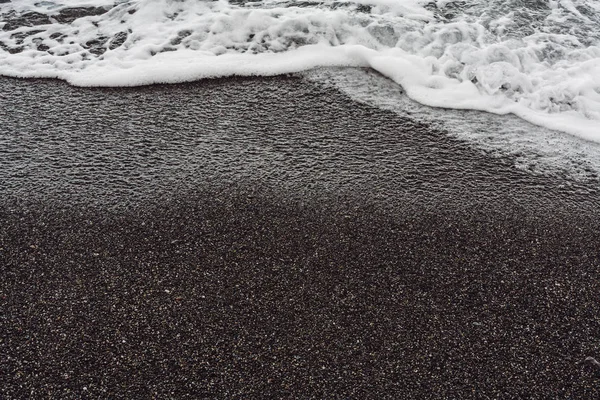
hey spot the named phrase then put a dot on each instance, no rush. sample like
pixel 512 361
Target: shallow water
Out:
pixel 121 147
pixel 534 149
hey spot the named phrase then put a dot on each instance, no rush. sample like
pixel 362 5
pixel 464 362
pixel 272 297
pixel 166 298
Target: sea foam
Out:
pixel 539 61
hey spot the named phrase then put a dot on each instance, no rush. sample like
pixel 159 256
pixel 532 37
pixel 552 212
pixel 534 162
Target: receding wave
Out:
pixel 539 60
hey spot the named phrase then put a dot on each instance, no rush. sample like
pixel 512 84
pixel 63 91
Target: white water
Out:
pixel 539 60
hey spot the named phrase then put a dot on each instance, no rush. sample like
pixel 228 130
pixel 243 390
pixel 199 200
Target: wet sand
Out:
pixel 257 238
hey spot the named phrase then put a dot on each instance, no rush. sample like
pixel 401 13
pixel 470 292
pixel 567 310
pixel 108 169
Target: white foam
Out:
pixel 443 57
pixel 191 65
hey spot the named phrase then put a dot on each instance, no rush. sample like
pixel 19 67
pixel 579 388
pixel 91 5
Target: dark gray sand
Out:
pixel 266 238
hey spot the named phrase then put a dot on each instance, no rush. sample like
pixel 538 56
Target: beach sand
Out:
pixel 268 238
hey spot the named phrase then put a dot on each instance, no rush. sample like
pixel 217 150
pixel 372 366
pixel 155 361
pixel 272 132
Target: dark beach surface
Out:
pixel 268 238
